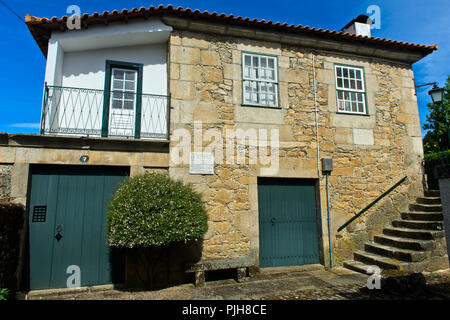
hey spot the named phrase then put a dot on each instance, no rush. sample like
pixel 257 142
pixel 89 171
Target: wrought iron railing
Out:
pixel 372 203
pixel 80 111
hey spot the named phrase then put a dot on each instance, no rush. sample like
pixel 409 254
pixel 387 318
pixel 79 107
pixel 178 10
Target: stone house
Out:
pixel 245 110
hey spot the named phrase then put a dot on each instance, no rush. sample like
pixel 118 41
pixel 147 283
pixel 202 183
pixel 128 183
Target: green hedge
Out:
pixel 11 223
pixel 155 210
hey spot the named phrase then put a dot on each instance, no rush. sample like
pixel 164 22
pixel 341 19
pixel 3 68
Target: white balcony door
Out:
pixel 122 107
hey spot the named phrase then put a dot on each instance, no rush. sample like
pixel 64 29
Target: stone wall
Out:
pixel 5 182
pixel 370 152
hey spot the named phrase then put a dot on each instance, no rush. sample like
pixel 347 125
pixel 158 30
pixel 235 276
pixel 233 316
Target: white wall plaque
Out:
pixel 201 163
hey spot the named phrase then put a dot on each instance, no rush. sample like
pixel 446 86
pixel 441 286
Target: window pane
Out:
pixel 117 95
pixel 248 61
pixel 117 84
pixel 263 62
pixel 345 72
pixel 118 74
pixel 255 62
pixel 129 85
pixel 117 104
pixel 339 82
pixel 352 84
pixel 129 96
pixel 359 85
pixel 360 107
pixel 358 74
pixel 130 75
pixel 346 84
pixel 354 109
pixel 339 71
pixel 272 63
pixel 352 73
pixel 128 105
pixel 340 96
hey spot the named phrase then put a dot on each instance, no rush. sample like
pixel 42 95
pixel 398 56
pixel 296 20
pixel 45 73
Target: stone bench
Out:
pixel 199 268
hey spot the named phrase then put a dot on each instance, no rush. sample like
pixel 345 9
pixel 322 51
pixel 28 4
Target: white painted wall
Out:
pixel 78 59
pixel 86 69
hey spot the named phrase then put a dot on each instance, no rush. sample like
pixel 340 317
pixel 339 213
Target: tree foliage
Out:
pixel 155 210
pixel 436 139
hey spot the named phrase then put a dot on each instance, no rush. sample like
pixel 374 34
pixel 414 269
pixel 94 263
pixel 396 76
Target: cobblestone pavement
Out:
pixel 315 284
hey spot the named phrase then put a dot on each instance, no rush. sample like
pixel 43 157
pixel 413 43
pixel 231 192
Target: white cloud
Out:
pixel 26 125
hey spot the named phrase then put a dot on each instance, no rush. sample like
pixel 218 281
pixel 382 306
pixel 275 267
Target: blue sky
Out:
pixel 23 64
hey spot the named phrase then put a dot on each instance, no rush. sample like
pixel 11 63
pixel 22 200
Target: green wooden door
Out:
pixel 68 225
pixel 287 222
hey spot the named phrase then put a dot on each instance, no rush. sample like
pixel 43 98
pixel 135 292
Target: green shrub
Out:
pixel 155 210
pixel 4 294
pixel 11 223
pixel 436 156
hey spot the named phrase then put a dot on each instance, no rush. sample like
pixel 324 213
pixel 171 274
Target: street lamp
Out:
pixel 437 94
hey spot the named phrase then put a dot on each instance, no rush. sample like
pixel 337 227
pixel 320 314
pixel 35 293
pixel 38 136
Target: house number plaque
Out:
pixel 201 163
pixel 84 159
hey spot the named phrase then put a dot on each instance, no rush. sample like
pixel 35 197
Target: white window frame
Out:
pixel 258 81
pixel 124 90
pixel 349 90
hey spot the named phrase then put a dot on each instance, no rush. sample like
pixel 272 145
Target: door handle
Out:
pixel 58 235
pixel 272 221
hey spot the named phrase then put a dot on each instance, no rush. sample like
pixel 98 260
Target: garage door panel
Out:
pixel 41 231
pixel 78 198
pixel 287 220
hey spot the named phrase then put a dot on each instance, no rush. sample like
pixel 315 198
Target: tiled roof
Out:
pixel 41 28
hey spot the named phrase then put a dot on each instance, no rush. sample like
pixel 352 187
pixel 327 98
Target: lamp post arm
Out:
pixel 426 84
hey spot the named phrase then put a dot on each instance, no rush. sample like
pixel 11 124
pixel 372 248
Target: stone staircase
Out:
pixel 414 243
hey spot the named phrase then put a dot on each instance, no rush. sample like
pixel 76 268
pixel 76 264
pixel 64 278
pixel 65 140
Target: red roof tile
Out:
pixel 41 28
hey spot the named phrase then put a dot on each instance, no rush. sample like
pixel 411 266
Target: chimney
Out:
pixel 359 26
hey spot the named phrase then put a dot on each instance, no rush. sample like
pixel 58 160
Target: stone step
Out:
pixel 357 266
pixel 429 200
pixel 403 243
pixel 432 193
pixel 425 207
pixel 417 224
pixel 395 253
pixel 375 259
pixel 422 216
pixel 413 233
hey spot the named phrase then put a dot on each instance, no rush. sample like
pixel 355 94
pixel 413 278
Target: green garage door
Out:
pixel 68 225
pixel 287 222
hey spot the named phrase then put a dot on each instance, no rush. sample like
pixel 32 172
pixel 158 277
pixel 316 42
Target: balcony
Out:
pixel 99 113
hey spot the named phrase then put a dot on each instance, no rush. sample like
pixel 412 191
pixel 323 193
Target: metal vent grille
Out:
pixel 39 213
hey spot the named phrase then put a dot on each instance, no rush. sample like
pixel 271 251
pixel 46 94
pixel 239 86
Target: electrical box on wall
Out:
pixel 327 165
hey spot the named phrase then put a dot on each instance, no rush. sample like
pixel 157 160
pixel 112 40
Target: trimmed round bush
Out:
pixel 155 210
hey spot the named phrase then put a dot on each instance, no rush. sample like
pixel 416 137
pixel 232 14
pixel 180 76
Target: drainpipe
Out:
pixel 326 169
pixel 329 229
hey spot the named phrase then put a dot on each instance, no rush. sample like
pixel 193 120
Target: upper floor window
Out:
pixel 260 80
pixel 350 90
pixel 124 87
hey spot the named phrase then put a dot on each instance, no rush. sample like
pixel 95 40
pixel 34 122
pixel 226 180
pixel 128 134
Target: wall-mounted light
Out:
pixel 437 94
